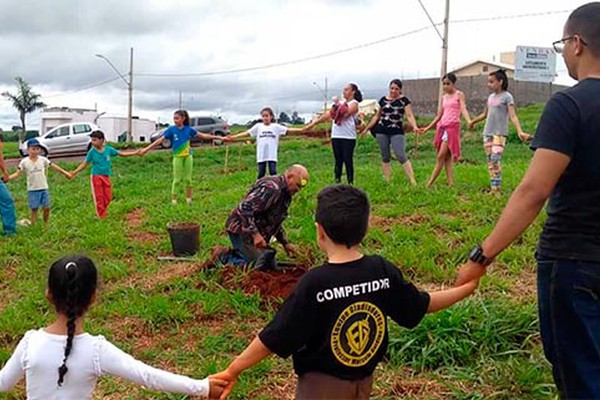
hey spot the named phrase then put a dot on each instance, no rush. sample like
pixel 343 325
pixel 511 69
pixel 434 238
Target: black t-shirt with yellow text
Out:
pixel 335 320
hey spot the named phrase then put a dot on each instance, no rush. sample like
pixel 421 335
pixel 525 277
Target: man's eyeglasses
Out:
pixel 559 45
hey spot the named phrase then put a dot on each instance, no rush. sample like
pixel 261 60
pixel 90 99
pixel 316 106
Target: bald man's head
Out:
pixel 297 177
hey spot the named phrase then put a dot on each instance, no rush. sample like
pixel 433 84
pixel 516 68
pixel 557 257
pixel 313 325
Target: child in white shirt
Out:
pixel 267 136
pixel 36 166
pixel 63 362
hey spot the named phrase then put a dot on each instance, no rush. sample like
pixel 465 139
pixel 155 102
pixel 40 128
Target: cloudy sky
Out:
pixel 52 43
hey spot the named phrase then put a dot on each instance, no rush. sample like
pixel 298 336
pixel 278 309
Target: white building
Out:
pixel 113 127
pixel 55 116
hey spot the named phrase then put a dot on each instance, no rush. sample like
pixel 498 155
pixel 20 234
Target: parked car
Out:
pixel 64 139
pixel 213 125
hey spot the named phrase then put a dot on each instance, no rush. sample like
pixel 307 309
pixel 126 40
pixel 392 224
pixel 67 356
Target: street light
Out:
pixel 129 84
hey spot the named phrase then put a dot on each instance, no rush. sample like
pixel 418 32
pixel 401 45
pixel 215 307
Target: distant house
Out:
pixel 481 67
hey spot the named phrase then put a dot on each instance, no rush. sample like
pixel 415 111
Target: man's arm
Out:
pixel 257 200
pixel 546 168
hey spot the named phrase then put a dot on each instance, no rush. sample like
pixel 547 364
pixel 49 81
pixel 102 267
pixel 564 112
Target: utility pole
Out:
pixel 130 101
pixel 129 83
pixel 324 93
pixel 444 50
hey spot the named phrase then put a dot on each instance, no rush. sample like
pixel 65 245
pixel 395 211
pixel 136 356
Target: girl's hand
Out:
pixel 217 386
pixel 223 376
pixel 525 137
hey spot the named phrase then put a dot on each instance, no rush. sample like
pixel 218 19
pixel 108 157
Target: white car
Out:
pixel 64 139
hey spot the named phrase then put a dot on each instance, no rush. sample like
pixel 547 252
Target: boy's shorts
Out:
pixel 319 386
pixel 38 199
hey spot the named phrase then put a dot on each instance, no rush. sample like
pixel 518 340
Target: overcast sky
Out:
pixel 52 43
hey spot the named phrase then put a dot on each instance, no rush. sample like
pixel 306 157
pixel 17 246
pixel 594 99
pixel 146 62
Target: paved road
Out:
pixel 13 162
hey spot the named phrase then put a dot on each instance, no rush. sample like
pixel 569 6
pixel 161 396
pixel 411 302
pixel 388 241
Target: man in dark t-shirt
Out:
pixel 565 170
pixel 334 323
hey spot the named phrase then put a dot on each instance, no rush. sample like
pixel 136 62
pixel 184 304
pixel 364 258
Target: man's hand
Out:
pixel 5 177
pixel 224 376
pixel 259 241
pixel 290 250
pixel 471 271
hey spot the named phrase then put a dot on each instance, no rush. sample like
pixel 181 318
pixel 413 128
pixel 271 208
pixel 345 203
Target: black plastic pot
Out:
pixel 185 238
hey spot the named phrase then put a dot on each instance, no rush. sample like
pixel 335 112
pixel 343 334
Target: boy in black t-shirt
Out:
pixel 334 323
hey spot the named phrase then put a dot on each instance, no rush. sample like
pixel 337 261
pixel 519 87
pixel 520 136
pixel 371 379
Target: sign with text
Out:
pixel 535 64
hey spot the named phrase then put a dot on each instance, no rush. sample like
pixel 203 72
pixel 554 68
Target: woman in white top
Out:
pixel 63 362
pixel 267 136
pixel 343 131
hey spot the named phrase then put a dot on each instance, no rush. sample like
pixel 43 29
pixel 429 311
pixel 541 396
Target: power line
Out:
pixel 430 20
pixel 93 85
pixel 348 49
pixel 281 64
pixel 514 16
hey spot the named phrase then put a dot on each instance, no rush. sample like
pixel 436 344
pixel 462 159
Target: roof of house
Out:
pixel 493 63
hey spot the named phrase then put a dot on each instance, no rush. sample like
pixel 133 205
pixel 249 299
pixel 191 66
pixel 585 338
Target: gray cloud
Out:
pixel 81 17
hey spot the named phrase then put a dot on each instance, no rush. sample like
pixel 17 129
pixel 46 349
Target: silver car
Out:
pixel 64 139
pixel 213 125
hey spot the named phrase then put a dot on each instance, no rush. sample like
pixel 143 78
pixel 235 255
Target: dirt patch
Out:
pixel 167 273
pixel 522 286
pixel 282 386
pixel 135 218
pixel 230 170
pixel 268 284
pixel 387 223
pixel 145 237
pixel 321 133
pixel 428 389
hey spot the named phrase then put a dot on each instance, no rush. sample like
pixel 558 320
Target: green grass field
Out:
pixel 180 317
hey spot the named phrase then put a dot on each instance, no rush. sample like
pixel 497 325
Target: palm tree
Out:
pixel 25 102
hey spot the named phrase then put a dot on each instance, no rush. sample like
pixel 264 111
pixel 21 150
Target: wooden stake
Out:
pixel 226 158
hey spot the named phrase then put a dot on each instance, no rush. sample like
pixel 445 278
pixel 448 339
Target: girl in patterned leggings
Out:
pixel 500 107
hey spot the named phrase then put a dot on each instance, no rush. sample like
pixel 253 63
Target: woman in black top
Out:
pixel 387 128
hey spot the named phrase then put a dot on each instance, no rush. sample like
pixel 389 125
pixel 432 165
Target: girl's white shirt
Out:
pixel 39 355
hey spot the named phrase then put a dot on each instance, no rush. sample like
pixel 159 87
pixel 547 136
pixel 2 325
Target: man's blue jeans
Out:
pixel 569 309
pixel 243 251
pixel 7 211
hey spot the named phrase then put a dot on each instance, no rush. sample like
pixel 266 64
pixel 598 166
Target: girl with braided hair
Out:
pixel 62 362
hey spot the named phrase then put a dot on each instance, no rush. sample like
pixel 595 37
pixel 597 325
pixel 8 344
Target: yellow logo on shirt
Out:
pixel 358 334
